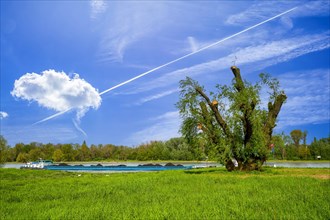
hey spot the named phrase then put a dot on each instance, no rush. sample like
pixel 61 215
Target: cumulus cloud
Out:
pixel 57 91
pixel 3 115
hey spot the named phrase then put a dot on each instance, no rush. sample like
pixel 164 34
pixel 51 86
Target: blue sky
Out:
pixel 58 56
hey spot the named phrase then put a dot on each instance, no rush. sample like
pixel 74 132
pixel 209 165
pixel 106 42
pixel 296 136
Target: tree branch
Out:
pixel 273 111
pixel 239 85
pixel 209 127
pixel 247 108
pixel 216 112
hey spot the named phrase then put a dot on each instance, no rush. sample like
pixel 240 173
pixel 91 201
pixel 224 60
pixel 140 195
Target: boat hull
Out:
pixel 116 168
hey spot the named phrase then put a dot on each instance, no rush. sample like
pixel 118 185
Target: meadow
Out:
pixel 213 193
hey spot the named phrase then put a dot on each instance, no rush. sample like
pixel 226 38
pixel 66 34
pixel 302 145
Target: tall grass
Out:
pixel 197 194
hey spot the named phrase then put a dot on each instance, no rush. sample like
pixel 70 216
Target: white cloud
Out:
pixel 194 46
pixel 264 9
pixel 313 8
pixel 98 7
pixel 254 37
pixel 308 97
pixel 157 96
pixel 283 50
pixel 3 115
pixel 126 24
pixel 308 102
pixel 140 26
pixel 165 126
pixel 57 91
pixel 287 22
pixel 260 56
pixel 76 124
pixel 259 11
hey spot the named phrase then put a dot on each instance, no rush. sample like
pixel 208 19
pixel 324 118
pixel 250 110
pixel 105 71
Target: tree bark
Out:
pixel 247 110
pixel 216 113
pixel 208 123
pixel 239 85
pixel 273 111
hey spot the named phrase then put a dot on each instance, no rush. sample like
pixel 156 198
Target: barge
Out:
pixel 40 164
pixel 48 165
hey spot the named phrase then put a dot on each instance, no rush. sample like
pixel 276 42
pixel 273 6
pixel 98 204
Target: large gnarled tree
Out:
pixel 231 122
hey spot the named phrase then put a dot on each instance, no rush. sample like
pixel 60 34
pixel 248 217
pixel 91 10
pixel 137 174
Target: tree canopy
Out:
pixel 3 149
pixel 231 122
pixel 297 135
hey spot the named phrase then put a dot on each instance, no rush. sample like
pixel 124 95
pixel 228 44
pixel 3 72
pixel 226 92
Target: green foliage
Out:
pixel 83 153
pixel 36 154
pixel 58 155
pixel 3 150
pixel 278 146
pixel 233 125
pixel 196 194
pixel 173 149
pixel 297 136
pixel 69 154
pixel 303 152
pixel 320 148
pixel 23 157
pixel 289 147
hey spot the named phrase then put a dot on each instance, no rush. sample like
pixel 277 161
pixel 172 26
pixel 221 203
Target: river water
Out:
pixel 299 164
pixel 309 164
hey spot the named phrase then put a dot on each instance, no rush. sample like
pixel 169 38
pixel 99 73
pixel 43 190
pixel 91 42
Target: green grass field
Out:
pixel 275 193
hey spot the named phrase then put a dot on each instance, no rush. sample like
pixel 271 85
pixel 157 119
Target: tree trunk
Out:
pixel 208 123
pixel 216 112
pixel 247 108
pixel 273 111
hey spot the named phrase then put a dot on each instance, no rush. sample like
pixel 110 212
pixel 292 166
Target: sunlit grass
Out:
pixel 280 193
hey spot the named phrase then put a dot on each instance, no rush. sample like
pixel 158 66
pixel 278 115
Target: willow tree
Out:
pixel 231 122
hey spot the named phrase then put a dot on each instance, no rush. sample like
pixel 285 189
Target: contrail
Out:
pixel 52 116
pixel 176 60
pixel 197 51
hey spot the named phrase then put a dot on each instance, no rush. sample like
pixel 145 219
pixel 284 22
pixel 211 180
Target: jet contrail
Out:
pixel 197 51
pixel 52 116
pixel 176 60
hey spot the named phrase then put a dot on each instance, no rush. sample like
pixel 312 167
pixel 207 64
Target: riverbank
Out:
pixel 298 164
pixel 271 163
pixel 214 193
pixel 126 163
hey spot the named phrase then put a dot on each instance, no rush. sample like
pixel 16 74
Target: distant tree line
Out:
pixel 284 147
pixel 294 147
pixel 173 149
